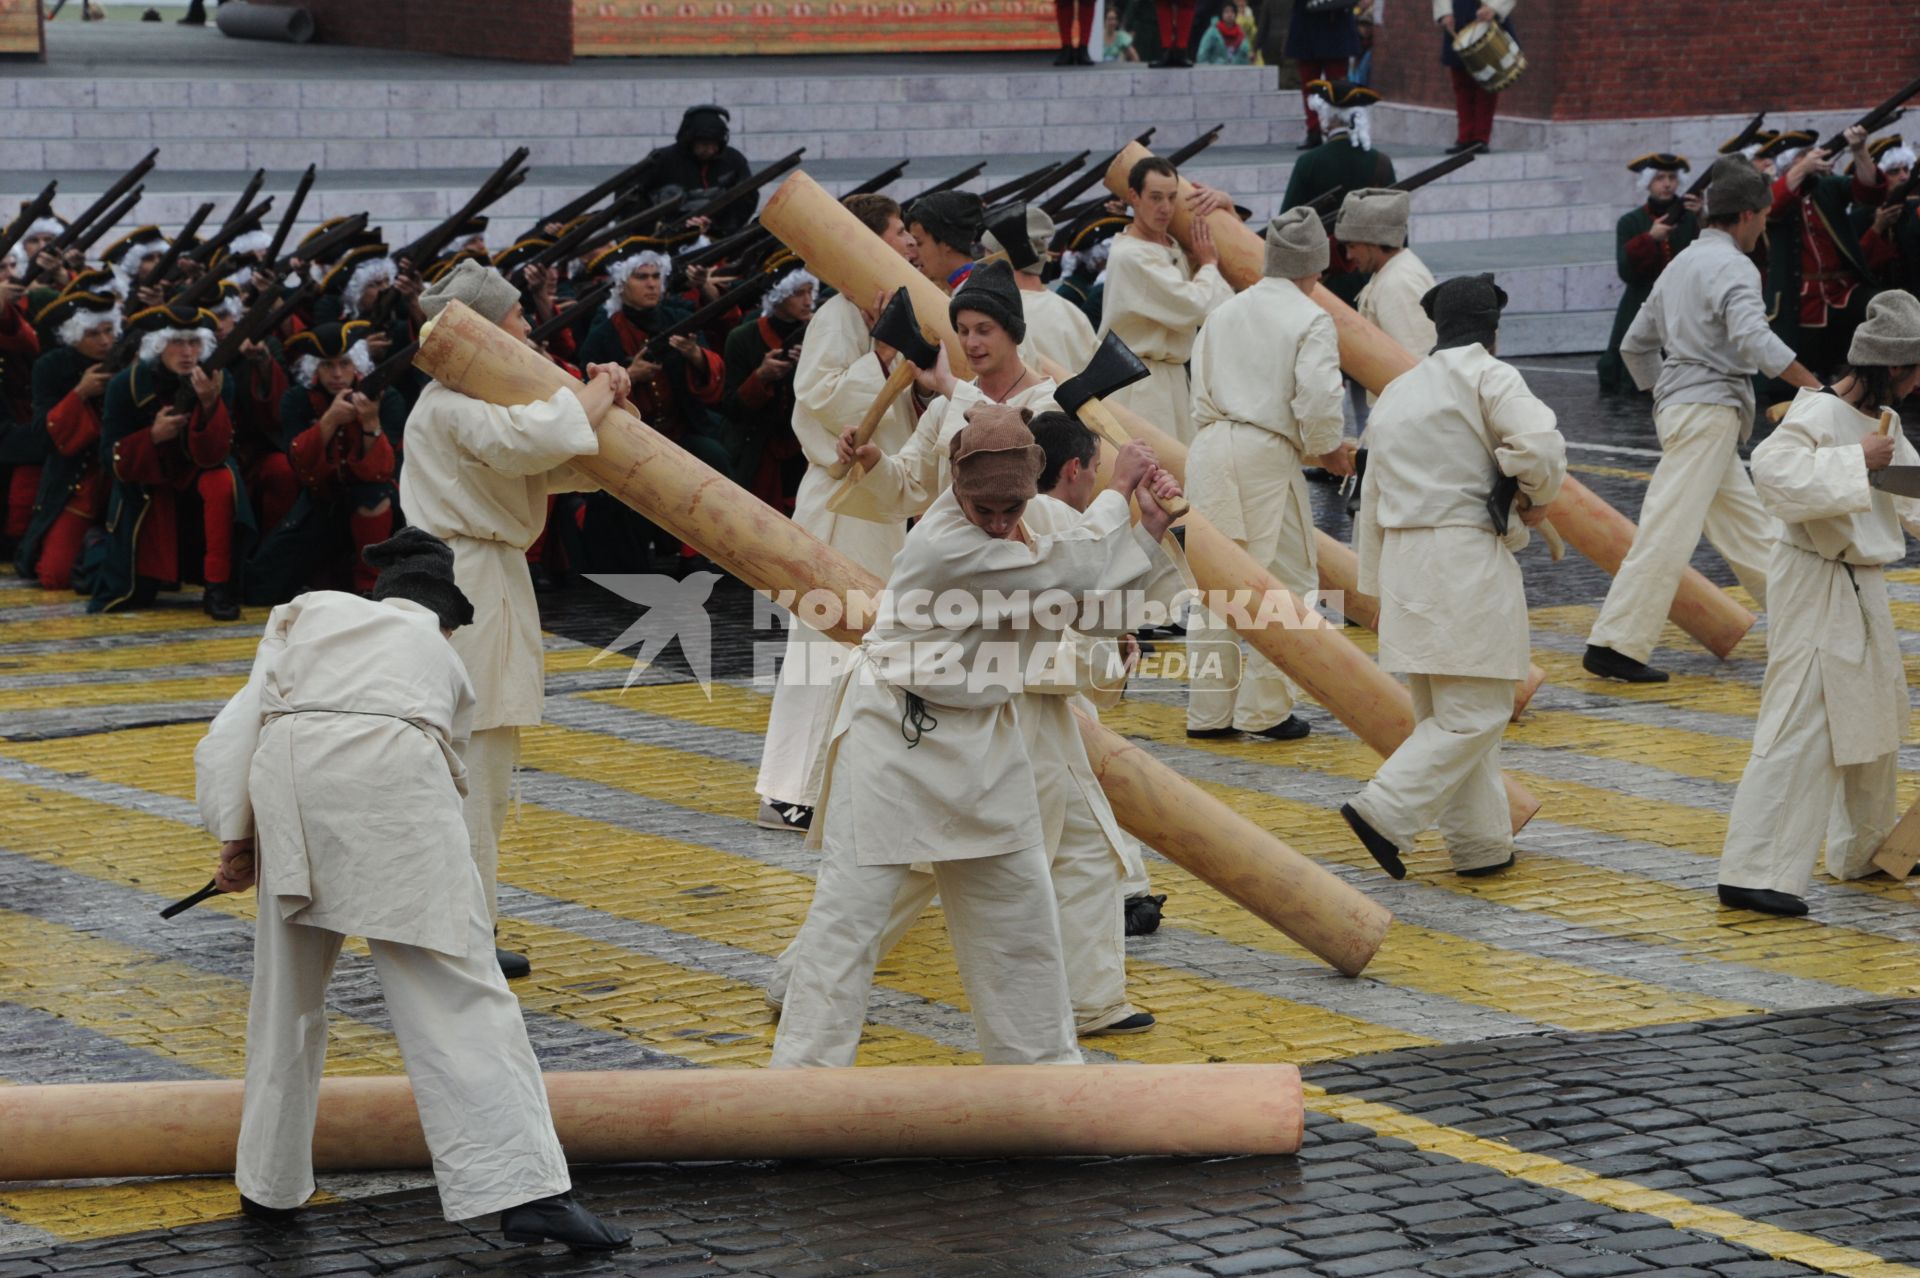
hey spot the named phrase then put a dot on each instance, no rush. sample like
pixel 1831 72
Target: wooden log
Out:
pixel 88 1130
pixel 772 554
pixel 836 246
pixel 1373 359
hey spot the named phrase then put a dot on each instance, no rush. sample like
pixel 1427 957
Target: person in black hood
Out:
pixel 701 164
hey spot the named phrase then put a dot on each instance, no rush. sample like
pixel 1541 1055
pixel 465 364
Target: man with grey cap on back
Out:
pixel 1463 459
pixel 1266 399
pixel 1833 710
pixel 477 477
pixel 1057 330
pixel 1372 227
pixel 1706 314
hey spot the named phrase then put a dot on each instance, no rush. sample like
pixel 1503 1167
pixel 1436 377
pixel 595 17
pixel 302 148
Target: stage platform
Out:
pixel 408 136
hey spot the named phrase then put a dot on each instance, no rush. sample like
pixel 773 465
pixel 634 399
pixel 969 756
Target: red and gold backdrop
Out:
pixel 628 28
pixel 20 27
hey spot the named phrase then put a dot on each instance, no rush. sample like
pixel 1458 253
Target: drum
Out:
pixel 1491 55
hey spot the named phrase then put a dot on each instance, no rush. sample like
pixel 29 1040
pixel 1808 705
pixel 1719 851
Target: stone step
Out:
pixel 1565 333
pixel 1549 273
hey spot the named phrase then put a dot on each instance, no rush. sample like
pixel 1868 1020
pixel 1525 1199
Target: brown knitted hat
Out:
pixel 994 457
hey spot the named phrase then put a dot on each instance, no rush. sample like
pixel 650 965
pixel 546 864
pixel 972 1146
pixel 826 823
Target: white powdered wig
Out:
pixel 308 366
pixel 251 242
pixel 789 284
pixel 80 323
pixel 626 266
pixel 153 343
pixel 1094 259
pixel 1645 178
pixel 1896 157
pixel 1355 119
pixel 231 307
pixel 375 270
pixel 130 262
pixel 1752 151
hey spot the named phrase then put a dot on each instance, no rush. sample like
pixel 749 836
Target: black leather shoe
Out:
pixel 1185 58
pixel 1763 900
pixel 1482 871
pixel 1165 60
pixel 1081 58
pixel 266 1215
pixel 1458 147
pixel 1378 844
pixel 1608 664
pixel 1143 914
pixel 1291 728
pixel 1138 1023
pixel 218 602
pixel 560 1219
pixel 512 966
pixel 1064 58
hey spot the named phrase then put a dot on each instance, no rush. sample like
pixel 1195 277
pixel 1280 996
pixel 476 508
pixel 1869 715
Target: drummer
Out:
pixel 1472 103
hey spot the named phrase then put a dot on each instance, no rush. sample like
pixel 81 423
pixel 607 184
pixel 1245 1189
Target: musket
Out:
pixel 1876 118
pixel 730 247
pixel 565 317
pixel 657 345
pixel 1034 189
pixel 1327 205
pixel 375 384
pixel 880 181
pixel 1432 173
pixel 85 224
pixel 40 206
pixel 565 247
pixel 959 179
pixel 321 244
pixel 227 234
pixel 85 239
pixel 193 294
pixel 1196 146
pixel 293 211
pixel 1741 141
pixel 747 186
pixel 618 184
pixel 256 322
pixel 993 195
pixel 502 180
pixel 1059 200
pixel 247 193
pixel 171 258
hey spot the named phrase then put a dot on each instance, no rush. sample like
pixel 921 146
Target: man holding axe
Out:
pixel 1266 401
pixel 849 369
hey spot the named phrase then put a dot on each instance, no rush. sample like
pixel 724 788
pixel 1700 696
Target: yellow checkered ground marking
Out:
pixel 146 656
pixel 57 625
pixel 1621 1195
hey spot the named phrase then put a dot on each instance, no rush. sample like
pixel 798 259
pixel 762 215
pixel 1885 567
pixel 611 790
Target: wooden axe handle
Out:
pixel 1556 544
pixel 897 381
pixel 1094 414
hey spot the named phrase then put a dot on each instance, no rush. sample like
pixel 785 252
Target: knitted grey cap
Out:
pixel 1889 337
pixel 481 287
pixel 1376 215
pixel 1296 245
pixel 1737 187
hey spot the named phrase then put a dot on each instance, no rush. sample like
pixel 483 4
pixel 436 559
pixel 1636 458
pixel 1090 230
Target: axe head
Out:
pixel 898 329
pixel 1113 366
pixel 1009 230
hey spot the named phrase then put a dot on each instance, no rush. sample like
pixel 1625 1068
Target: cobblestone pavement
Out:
pixel 1581 1067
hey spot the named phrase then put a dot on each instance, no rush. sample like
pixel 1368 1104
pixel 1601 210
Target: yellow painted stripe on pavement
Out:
pixel 103 625
pixel 1606 1191
pixel 125 657
pixel 74 1213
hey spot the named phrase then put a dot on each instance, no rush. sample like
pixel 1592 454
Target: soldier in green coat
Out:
pixel 1346 160
pixel 1645 240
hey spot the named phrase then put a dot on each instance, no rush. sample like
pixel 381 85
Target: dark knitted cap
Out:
pixel 1465 310
pixel 704 124
pixel 414 564
pixel 955 218
pixel 990 290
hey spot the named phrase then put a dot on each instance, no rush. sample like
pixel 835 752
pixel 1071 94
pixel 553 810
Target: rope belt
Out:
pixel 916 718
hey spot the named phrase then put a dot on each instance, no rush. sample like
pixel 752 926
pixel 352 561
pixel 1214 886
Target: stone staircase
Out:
pixel 410 148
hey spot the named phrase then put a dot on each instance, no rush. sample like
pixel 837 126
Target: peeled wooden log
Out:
pixel 836 246
pixel 772 554
pixel 1373 359
pixel 88 1130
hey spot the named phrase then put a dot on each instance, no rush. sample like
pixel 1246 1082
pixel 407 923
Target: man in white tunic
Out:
pixel 1266 400
pixel 1373 229
pixel 1057 330
pixel 477 476
pixel 840 374
pixel 1156 297
pixel 1706 314
pixel 1833 710
pixel 927 760
pixel 1453 608
pixel 334 779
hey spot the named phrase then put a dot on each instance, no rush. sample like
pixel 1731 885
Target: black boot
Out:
pixel 1291 728
pixel 512 966
pixel 1143 914
pixel 1081 58
pixel 1482 871
pixel 1763 900
pixel 266 1215
pixel 218 602
pixel 1378 844
pixel 560 1219
pixel 196 14
pixel 1064 58
pixel 1608 664
pixel 1314 138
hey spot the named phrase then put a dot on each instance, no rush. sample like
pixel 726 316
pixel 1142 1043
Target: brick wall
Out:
pixel 524 30
pixel 1618 59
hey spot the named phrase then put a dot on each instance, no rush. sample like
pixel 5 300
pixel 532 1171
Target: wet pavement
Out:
pixel 1581 1067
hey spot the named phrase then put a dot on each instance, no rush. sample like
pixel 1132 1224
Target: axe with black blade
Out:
pixel 1009 229
pixel 1901 481
pixel 1113 367
pixel 897 328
